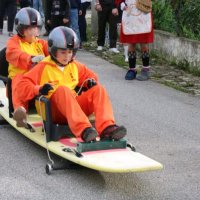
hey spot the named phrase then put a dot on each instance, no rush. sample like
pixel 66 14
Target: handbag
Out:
pixel 144 5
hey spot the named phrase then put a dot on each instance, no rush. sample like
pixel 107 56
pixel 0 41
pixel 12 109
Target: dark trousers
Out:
pixel 8 7
pixel 82 21
pixel 46 25
pixel 103 17
pixel 57 21
pixel 25 3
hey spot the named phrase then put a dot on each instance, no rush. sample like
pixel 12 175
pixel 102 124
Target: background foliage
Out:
pixel 181 17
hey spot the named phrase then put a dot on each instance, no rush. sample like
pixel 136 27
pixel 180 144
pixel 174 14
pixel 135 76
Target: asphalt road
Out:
pixel 162 123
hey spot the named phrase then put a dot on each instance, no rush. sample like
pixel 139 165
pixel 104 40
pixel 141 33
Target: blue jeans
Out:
pixel 74 22
pixel 37 4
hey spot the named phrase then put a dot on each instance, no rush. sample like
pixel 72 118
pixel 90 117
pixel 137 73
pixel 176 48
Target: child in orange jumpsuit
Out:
pixel 24 50
pixel 57 77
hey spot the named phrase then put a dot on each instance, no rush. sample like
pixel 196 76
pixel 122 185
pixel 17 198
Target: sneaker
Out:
pixel 99 48
pixel 10 34
pixel 113 132
pixel 144 75
pixel 89 134
pixel 114 50
pixel 131 74
pixel 20 117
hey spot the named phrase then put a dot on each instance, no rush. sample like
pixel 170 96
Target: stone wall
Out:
pixel 180 50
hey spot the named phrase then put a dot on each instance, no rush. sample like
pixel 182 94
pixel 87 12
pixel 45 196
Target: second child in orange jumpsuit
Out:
pixel 57 77
pixel 23 51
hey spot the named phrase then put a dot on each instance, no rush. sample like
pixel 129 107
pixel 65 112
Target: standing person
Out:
pixel 75 11
pixel 25 3
pixel 107 12
pixel 9 7
pixel 47 26
pixel 82 20
pixel 37 4
pixel 137 32
pixel 58 12
pixel 117 4
pixel 57 77
pixel 23 51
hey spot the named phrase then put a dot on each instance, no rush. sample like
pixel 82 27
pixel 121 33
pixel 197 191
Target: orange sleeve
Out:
pixel 30 84
pixel 84 73
pixel 45 47
pixel 15 56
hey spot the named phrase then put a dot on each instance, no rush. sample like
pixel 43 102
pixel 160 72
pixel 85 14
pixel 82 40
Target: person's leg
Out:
pixel 102 20
pixel 112 29
pixel 12 10
pixel 25 3
pixel 40 9
pixel 131 74
pixel 17 102
pixel 35 4
pixel 47 26
pixel 65 109
pixel 145 74
pixel 2 13
pixel 20 107
pixel 55 21
pixel 74 22
pixel 82 22
pixel 126 52
pixel 96 100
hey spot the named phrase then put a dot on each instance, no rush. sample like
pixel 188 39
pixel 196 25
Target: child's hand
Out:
pixel 37 59
pixel 44 90
pixel 65 20
pixel 115 12
pixel 91 83
pixel 98 7
pixel 123 6
pixel 80 12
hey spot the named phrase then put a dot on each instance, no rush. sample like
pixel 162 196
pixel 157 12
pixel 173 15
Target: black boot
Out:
pixel 113 132
pixel 145 74
pixel 89 134
pixel 131 74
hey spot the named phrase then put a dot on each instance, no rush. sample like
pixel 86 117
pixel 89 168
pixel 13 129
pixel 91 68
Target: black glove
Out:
pixel 91 83
pixel 45 89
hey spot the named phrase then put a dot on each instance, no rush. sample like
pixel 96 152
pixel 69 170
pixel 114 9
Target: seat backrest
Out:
pixel 3 63
pixel 53 131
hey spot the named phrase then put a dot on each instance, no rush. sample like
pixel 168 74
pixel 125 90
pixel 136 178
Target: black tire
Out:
pixel 49 168
pixel 129 145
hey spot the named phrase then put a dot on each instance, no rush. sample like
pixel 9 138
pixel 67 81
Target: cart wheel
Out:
pixel 49 168
pixel 129 145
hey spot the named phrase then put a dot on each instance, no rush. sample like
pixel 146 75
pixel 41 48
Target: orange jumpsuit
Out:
pixel 18 55
pixel 66 106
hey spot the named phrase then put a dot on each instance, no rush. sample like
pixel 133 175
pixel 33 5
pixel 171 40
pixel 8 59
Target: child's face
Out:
pixel 64 56
pixel 31 33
